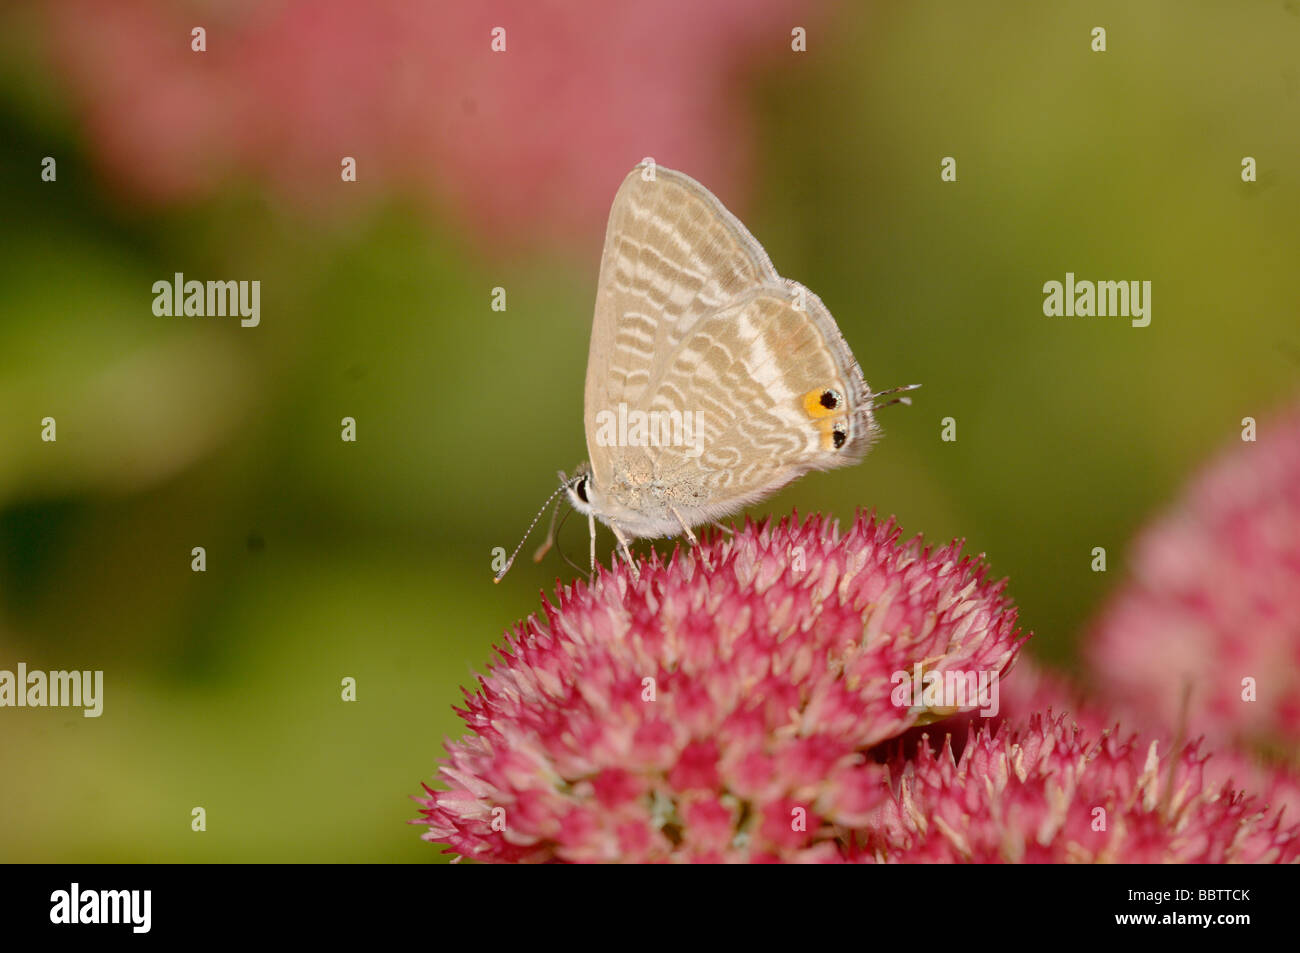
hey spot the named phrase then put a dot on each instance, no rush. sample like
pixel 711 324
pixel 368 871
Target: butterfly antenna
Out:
pixel 510 562
pixel 896 400
pixel 551 530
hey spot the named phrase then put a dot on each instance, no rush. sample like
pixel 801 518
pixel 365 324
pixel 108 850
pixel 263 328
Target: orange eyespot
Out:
pixel 834 431
pixel 823 402
pixel 825 406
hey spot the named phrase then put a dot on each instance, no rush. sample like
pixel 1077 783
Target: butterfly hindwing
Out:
pixel 769 382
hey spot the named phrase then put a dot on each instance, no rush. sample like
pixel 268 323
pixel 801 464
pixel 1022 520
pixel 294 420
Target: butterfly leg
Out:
pixel 591 524
pixel 685 529
pixel 726 529
pixel 627 553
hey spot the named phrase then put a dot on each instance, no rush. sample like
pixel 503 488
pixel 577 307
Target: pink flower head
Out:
pixel 719 706
pixel 1032 689
pixel 1210 618
pixel 1046 791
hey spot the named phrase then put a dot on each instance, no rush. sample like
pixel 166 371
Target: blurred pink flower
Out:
pixel 526 144
pixel 718 707
pixel 1214 600
pixel 1031 689
pixel 1047 791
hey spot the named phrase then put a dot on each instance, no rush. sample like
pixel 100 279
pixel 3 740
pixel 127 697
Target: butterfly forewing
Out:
pixel 673 255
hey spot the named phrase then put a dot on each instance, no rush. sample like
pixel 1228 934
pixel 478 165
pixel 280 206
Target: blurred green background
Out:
pixel 372 560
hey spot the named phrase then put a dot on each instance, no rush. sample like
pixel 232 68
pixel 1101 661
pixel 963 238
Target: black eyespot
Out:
pixel 581 489
pixel 838 437
pixel 830 399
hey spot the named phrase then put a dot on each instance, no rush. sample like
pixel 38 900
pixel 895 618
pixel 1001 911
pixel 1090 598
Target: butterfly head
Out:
pixel 576 488
pixel 581 489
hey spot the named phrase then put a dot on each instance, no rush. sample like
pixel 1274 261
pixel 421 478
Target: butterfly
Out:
pixel 712 382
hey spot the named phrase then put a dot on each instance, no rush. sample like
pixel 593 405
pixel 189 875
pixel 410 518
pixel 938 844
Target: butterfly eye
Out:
pixel 839 435
pixel 581 489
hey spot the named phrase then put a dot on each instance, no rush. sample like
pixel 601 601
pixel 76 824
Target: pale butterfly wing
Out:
pixel 673 255
pixel 692 316
pixel 754 374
